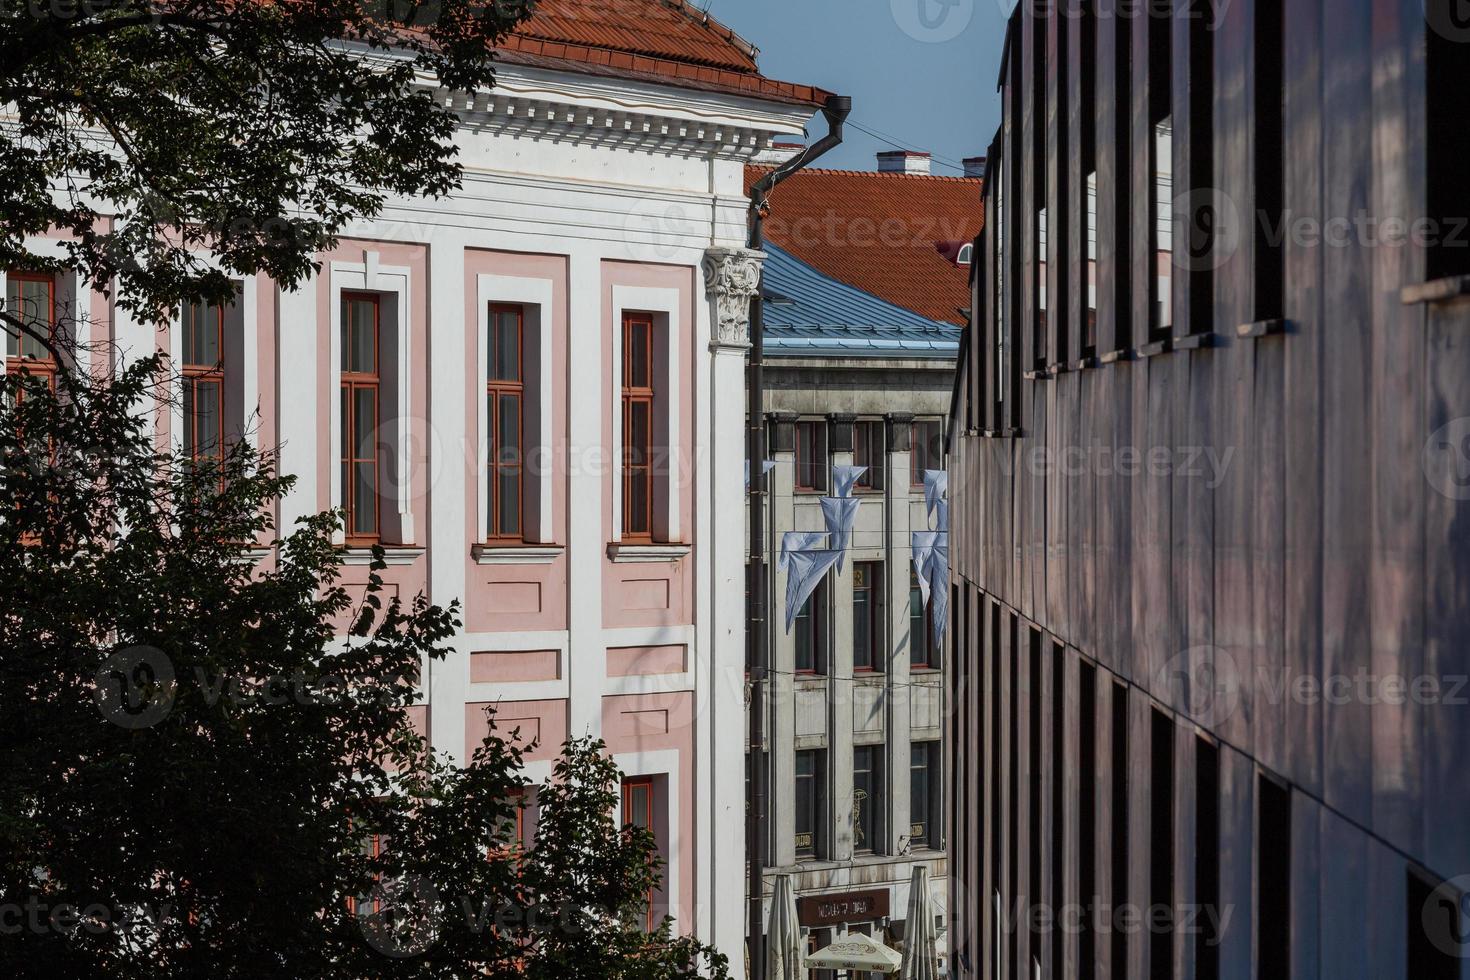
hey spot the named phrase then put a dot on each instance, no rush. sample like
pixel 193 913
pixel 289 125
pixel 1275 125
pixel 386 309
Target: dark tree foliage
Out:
pixel 202 778
pixel 255 128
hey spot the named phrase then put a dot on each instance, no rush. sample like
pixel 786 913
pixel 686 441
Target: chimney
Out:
pixel 903 162
pixel 974 166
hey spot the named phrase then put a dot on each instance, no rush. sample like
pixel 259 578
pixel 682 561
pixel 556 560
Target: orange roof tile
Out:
pixel 657 40
pixel 880 232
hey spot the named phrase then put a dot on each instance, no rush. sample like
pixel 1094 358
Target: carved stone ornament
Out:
pixel 732 276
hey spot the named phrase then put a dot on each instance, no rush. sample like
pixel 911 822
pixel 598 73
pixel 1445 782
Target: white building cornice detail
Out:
pixel 731 278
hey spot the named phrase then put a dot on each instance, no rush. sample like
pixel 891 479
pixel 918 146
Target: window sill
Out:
pixel 1115 356
pixel 1435 291
pixel 1085 363
pixel 527 554
pixel 624 553
pixel 393 555
pixel 1156 348
pixel 1040 374
pixel 253 556
pixel 1057 369
pixel 1194 341
pixel 1261 328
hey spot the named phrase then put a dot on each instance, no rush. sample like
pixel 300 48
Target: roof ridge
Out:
pixel 826 171
pixel 703 18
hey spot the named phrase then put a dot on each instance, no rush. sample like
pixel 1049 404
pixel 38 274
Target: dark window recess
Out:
pixel 1060 230
pixel 1013 640
pixel 1202 223
pixel 867 800
pixel 810 630
pixel 926 449
pixel 1038 184
pixel 867 615
pixel 1088 153
pixel 867 450
pixel 1058 798
pixel 923 765
pixel 1086 820
pixel 997 818
pixel 811 456
pixel 1447 79
pixel 1119 753
pixel 1207 858
pixel 1034 763
pixel 1161 847
pixel 810 812
pixel 1436 930
pixel 1122 150
pixel 1161 162
pixel 1273 879
pixel 1270 158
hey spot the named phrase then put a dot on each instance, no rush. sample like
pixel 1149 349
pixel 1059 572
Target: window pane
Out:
pixel 637 501
pixel 805 659
pixel 206 417
pixel 638 354
pixel 508 434
pixel 636 438
pixel 364 422
pixel 190 446
pixel 862 618
pixel 505 354
pixel 364 498
pixel 509 510
pixel 359 327
pixel 207 349
pixel 919 795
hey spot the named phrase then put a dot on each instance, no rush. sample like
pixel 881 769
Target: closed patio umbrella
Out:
pixel 783 934
pixel 855 952
pixel 920 959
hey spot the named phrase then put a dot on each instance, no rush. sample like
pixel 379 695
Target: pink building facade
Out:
pixel 531 394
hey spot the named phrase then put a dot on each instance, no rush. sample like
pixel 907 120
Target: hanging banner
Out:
pixel 766 466
pixel 844 478
pixel 941 513
pixel 840 513
pixel 938 576
pixel 936 485
pixel 922 544
pixel 804 571
pixel 799 541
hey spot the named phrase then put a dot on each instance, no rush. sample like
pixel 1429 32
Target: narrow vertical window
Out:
pixel 31 296
pixel 925 450
pixel 1203 222
pixel 1273 878
pixel 1041 303
pixel 923 764
pixel 997 815
pixel 1207 858
pixel 203 327
pixel 1087 748
pixel 361 384
pixel 809 809
pixel 504 412
pixel 867 450
pixel 1447 79
pixel 1038 181
pixel 1436 921
pixel 1161 163
pixel 1035 763
pixel 810 631
pixel 921 628
pixel 1161 844
pixel 1088 154
pixel 1059 811
pixel 638 812
pixel 867 622
pixel 1122 150
pixel 867 799
pixel 1270 159
pixel 638 395
pixel 1002 320
pixel 1120 864
pixel 811 456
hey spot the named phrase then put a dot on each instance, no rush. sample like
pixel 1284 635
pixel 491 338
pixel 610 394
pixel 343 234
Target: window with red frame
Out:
pixel 367 904
pixel 32 296
pixel 514 833
pixel 638 395
pixel 810 631
pixel 638 812
pixel 811 456
pixel 867 450
pixel 361 385
pixel 867 618
pixel 203 327
pixel 921 628
pixel 506 419
pixel 925 450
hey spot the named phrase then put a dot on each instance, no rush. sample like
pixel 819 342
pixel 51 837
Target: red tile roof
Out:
pixel 656 40
pixel 880 232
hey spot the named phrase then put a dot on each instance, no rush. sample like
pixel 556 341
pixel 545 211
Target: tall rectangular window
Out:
pixel 1122 150
pixel 31 296
pixel 1207 857
pixel 1120 864
pixel 867 450
pixel 1447 138
pixel 1436 924
pixel 1088 154
pixel 810 798
pixel 203 328
pixel 1202 224
pixel 926 449
pixel 1161 162
pixel 361 385
pixel 1270 157
pixel 1273 878
pixel 1039 341
pixel 810 629
pixel 811 456
pixel 1161 842
pixel 1087 748
pixel 867 798
pixel 867 616
pixel 923 794
pixel 922 651
pixel 505 415
pixel 1035 762
pixel 638 812
pixel 1058 797
pixel 638 395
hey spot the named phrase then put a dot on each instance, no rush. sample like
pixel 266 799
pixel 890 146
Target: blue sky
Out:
pixel 920 72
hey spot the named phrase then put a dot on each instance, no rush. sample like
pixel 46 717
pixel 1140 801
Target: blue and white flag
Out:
pixel 799 541
pixel 938 576
pixel 805 568
pixel 936 486
pixel 941 515
pixel 766 466
pixel 840 513
pixel 844 478
pixel 922 543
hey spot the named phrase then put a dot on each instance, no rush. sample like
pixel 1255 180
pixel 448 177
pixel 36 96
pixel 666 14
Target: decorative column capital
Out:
pixel 731 278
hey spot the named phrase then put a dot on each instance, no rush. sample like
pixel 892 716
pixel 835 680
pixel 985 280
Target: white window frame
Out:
pixel 664 304
pixel 73 299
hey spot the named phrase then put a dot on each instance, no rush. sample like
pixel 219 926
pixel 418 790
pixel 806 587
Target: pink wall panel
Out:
pixel 544 722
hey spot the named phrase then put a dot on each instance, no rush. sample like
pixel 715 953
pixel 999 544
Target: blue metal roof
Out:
pixel 807 313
